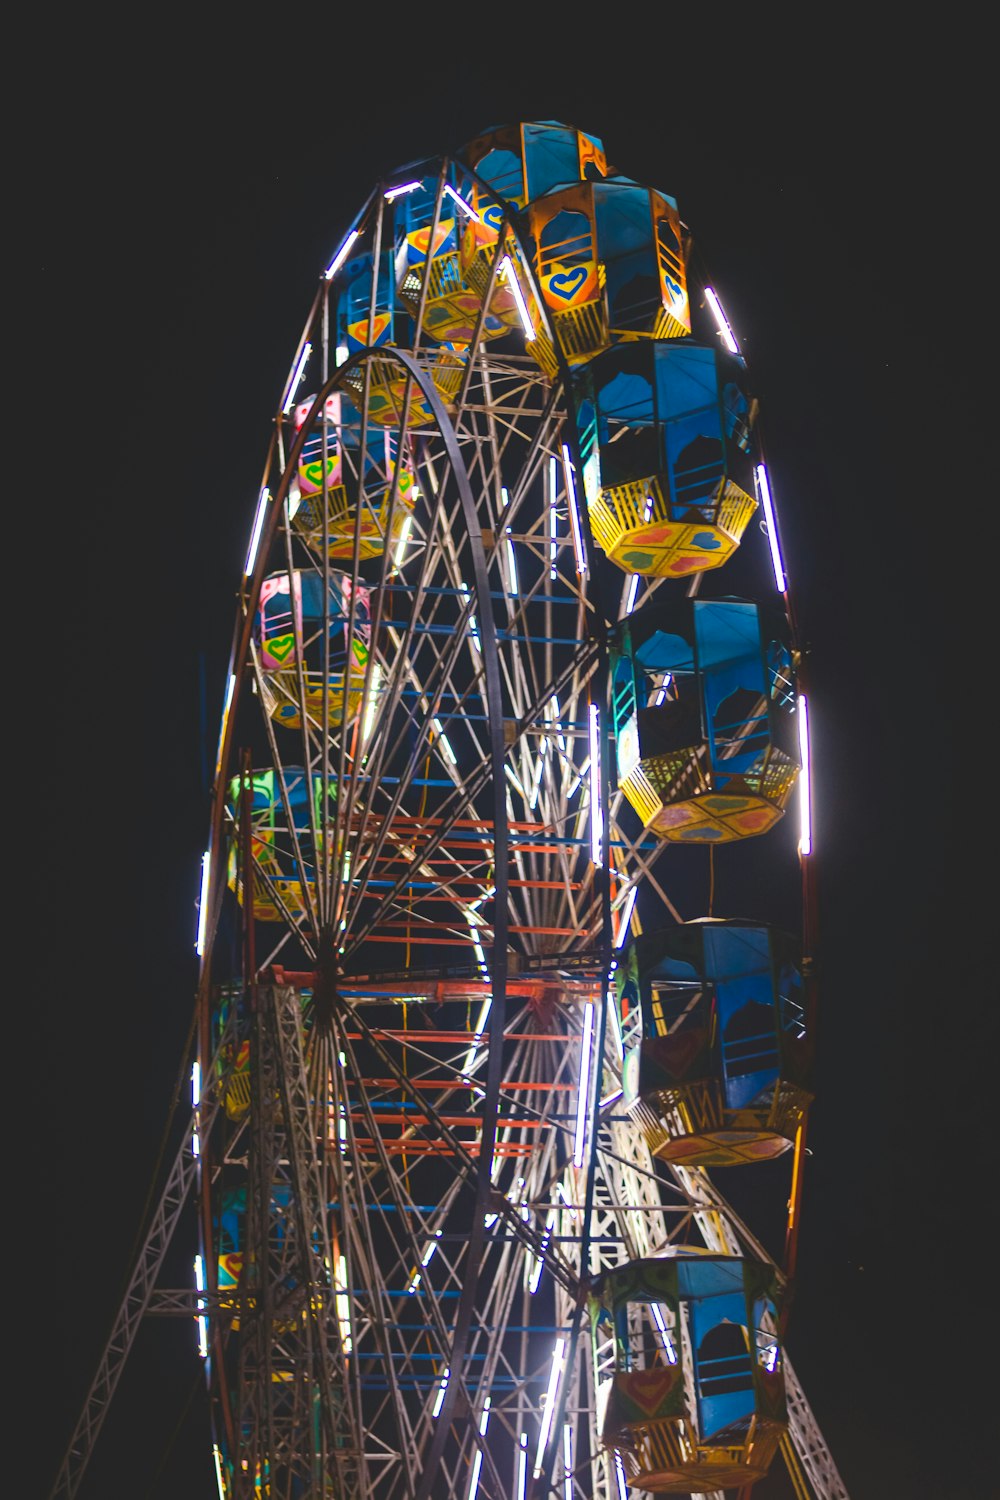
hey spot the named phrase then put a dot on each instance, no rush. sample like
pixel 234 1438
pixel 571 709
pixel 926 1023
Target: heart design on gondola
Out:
pixel 566 284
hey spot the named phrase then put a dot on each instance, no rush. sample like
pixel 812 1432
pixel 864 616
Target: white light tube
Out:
pixel 507 269
pixel 372 703
pixel 596 814
pixel 722 321
pixel 341 355
pixel 626 917
pixel 574 514
pixel 583 1097
pixel 633 589
pixel 258 523
pixel 668 1347
pixel 397 192
pixel 805 779
pixel 444 742
pixel 536 1275
pixel 522 1467
pixel 296 377
pixel 401 544
pixel 512 564
pixel 662 690
pixel 484 1012
pixel 341 255
pixel 206 871
pixel 615 1022
pixel 771 524
pixel 568 1461
pixel 343 1304
pixel 439 1398
pixel 202 1321
pixel 620 1476
pixel 230 688
pixel 553 518
pixel 477 1462
pixel 550 1403
pixel 195 1084
pixel 465 207
pixel 473 627
pixel 217 1456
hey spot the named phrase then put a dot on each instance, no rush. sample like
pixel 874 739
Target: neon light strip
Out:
pixel 439 1398
pixel 553 519
pixel 230 687
pixel 477 1462
pixel 771 522
pixel 217 1456
pixel 633 589
pixel 626 916
pixel 574 514
pixel 465 207
pixel 296 377
pixel 195 1084
pixel 522 1467
pixel 550 1403
pixel 668 1347
pixel 568 1461
pixel 805 779
pixel 397 192
pixel 258 523
pixel 620 1476
pixel 728 336
pixel 507 269
pixel 341 255
pixel 512 564
pixel 596 815
pixel 583 1097
pixel 206 871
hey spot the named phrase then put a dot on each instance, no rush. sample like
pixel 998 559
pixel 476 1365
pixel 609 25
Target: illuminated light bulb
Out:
pixel 297 375
pixel 206 871
pixel 662 690
pixel 549 1403
pixel 596 814
pixel 805 779
pixel 574 514
pixel 771 526
pixel 465 207
pixel 722 321
pixel 195 1084
pixel 341 255
pixel 397 192
pixel 341 355
pixel 507 270
pixel 258 523
pixel 583 1097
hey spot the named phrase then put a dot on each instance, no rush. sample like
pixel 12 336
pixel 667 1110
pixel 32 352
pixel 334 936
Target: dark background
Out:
pixel 175 196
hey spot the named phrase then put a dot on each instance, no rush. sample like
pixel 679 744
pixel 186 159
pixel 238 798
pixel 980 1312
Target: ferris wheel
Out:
pixel 472 1036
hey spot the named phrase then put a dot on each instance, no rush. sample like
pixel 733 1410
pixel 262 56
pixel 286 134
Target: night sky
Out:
pixel 174 207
